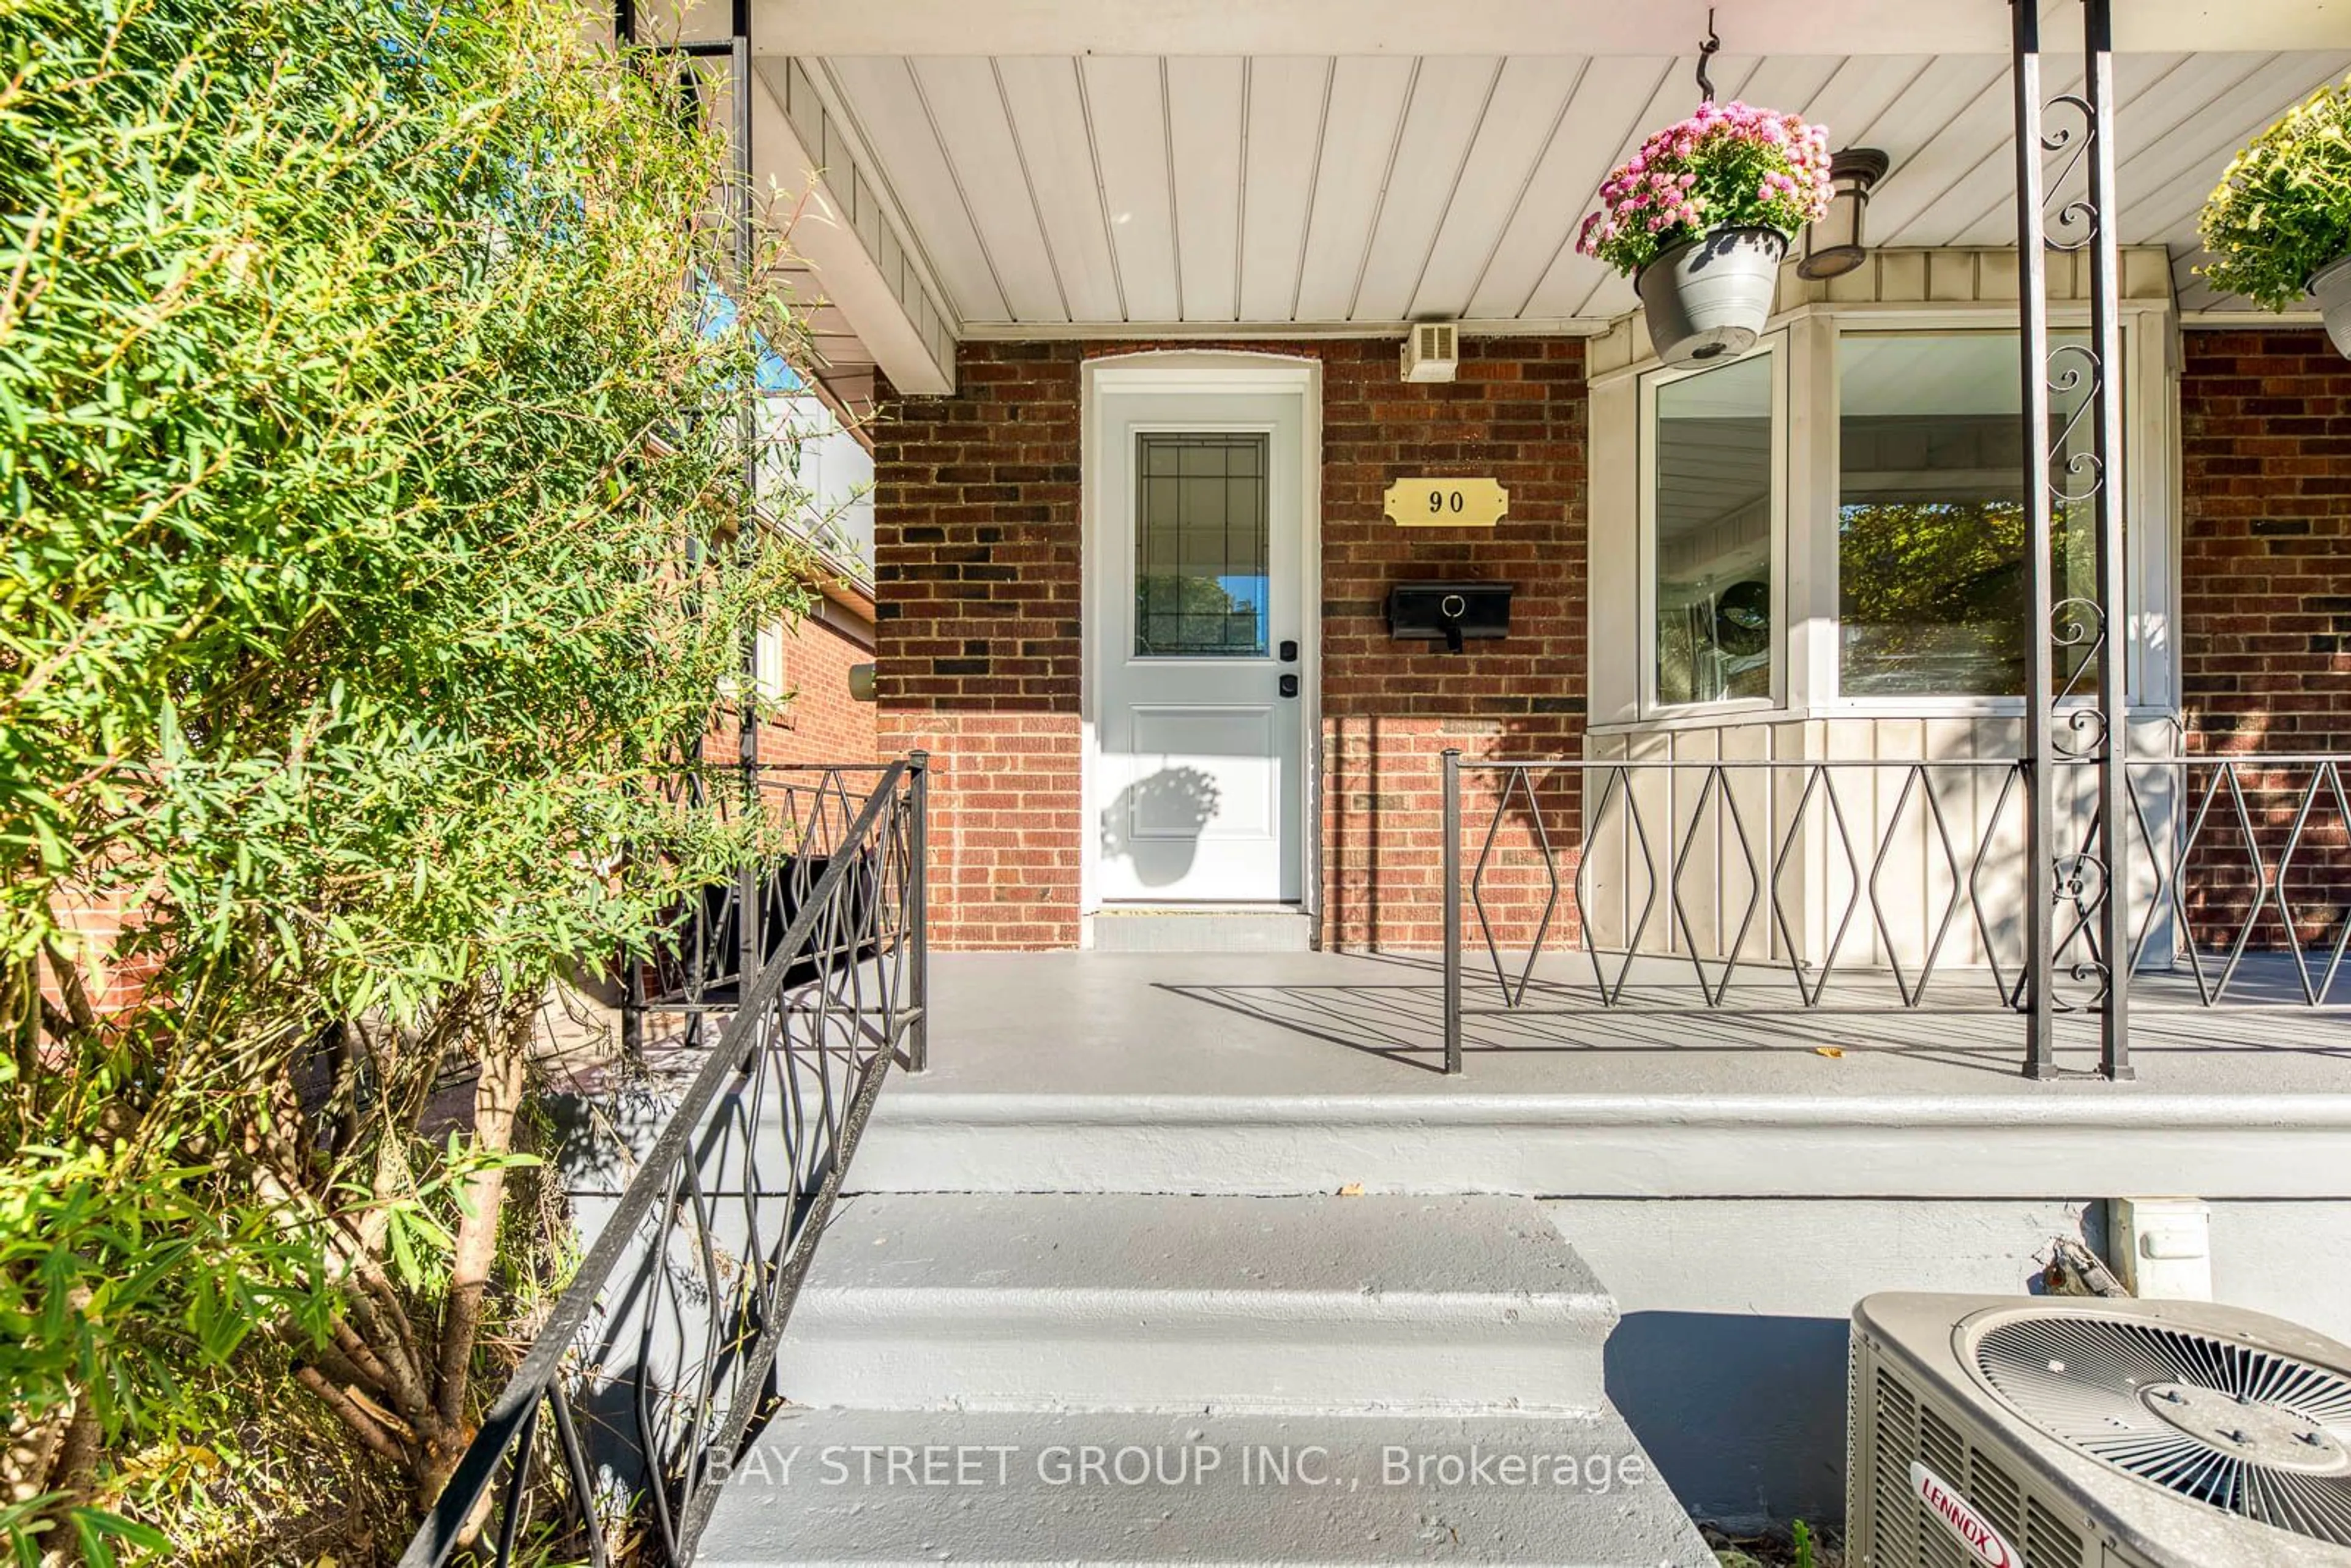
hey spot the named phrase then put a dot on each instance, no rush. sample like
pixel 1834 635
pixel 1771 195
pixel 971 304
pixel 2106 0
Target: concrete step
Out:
pixel 1731 1141
pixel 907 1487
pixel 1171 1303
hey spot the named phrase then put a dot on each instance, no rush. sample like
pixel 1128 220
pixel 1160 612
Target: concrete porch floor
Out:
pixel 1305 1071
pixel 1277 1023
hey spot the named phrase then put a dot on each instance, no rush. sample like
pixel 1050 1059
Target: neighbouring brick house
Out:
pixel 811 666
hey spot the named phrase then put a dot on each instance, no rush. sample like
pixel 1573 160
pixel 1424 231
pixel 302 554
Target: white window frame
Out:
pixel 1623 671
pixel 1774 347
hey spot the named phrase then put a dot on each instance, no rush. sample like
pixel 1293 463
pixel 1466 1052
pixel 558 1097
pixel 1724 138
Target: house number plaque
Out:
pixel 1447 503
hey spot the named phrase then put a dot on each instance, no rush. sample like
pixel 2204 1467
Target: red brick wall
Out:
pixel 1005 824
pixel 980 647
pixel 822 722
pixel 2266 604
pixel 2265 586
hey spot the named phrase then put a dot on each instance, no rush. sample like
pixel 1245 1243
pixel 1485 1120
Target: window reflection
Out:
pixel 1933 597
pixel 1711 559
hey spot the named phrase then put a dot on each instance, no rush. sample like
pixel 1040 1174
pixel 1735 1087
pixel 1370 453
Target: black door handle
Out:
pixel 1290 685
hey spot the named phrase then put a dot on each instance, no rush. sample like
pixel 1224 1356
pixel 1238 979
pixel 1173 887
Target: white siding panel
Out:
pixel 1529 102
pixel 968 112
pixel 1367 104
pixel 1575 283
pixel 1448 102
pixel 1565 184
pixel 2138 80
pixel 2194 293
pixel 1788 83
pixel 1049 120
pixel 1860 91
pixel 2167 185
pixel 1130 126
pixel 2162 96
pixel 1204 126
pixel 1923 108
pixel 1961 165
pixel 1375 188
pixel 897 131
pixel 1286 102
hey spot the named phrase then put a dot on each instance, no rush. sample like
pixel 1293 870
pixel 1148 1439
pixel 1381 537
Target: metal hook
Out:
pixel 1706 52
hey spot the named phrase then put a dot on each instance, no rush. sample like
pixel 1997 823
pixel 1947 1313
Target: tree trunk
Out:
pixel 497 1098
pixel 73 1468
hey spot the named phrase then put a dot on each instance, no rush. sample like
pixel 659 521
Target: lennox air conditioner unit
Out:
pixel 1432 351
pixel 2056 1432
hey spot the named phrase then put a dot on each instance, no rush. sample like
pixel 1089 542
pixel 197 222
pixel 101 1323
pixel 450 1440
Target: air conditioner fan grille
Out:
pixel 2231 1425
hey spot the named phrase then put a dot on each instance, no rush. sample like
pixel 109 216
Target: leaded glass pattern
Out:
pixel 1201 545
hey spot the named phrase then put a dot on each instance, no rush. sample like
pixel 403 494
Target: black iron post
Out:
pixel 1452 874
pixel 2088 877
pixel 918 936
pixel 746 701
pixel 2032 341
pixel 2112 619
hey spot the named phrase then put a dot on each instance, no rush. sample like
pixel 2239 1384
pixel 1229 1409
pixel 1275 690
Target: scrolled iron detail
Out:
pixel 2077 622
pixel 2080 733
pixel 2078 220
pixel 666 1337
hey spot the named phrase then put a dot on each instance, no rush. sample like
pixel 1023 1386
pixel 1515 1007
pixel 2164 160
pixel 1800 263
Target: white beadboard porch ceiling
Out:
pixel 1053 193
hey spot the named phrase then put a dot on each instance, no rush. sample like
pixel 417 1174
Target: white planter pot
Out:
pixel 1708 298
pixel 2332 287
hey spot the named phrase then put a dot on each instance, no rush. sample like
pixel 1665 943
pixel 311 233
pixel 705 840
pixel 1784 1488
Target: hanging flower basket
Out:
pixel 1700 218
pixel 2279 227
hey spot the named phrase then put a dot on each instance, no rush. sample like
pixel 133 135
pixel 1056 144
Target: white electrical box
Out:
pixel 2164 1247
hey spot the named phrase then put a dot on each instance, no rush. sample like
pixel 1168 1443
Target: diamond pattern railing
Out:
pixel 1886 884
pixel 2260 866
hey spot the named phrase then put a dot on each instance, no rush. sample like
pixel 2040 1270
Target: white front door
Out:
pixel 1197 633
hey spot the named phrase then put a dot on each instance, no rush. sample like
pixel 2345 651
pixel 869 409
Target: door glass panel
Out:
pixel 1200 549
pixel 1713 541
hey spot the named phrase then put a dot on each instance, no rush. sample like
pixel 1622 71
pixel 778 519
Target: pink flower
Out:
pixel 1782 161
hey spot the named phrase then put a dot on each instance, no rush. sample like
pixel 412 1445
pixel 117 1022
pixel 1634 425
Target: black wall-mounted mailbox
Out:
pixel 1453 613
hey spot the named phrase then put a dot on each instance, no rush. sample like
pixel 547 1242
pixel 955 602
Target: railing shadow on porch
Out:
pixel 1402 1020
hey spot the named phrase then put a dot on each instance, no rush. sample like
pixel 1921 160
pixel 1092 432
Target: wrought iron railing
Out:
pixel 808 809
pixel 657 1363
pixel 1889 886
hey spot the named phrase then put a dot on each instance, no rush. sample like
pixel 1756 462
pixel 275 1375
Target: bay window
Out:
pixel 1715 505
pixel 1836 520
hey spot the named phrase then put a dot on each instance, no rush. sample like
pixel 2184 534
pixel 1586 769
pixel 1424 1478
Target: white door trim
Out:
pixel 1204 371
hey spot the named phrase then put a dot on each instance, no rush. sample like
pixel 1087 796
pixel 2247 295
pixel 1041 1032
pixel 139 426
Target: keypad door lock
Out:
pixel 1289 651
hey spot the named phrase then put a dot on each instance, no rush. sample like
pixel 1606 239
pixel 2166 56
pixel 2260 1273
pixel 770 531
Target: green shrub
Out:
pixel 373 554
pixel 2283 209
